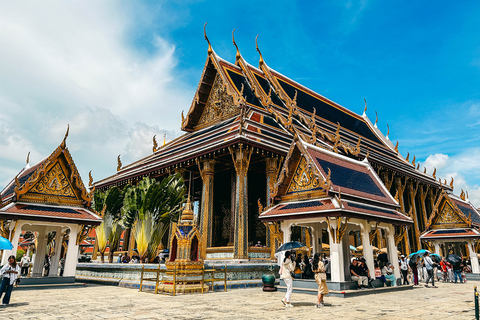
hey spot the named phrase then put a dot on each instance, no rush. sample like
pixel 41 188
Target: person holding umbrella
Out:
pixel 429 266
pixel 10 272
pixel 288 267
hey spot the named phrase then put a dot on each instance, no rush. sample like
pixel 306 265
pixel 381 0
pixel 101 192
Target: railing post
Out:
pixel 476 303
pixel 203 277
pixel 158 277
pixel 174 279
pixel 141 279
pixel 225 278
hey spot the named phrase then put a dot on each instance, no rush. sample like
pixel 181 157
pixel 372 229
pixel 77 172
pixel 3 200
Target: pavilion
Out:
pixel 49 199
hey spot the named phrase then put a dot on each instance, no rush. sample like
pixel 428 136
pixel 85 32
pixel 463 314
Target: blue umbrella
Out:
pixel 353 248
pixel 290 246
pixel 422 252
pixel 5 244
pixel 412 254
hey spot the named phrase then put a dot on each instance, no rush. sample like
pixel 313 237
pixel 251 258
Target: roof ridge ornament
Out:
pixel 451 183
pixel 155 144
pixel 413 161
pixel 63 145
pixel 210 50
pixel 28 161
pixel 90 179
pixel 119 163
pixel 238 55
pixel 434 174
pixel 365 110
pixel 408 157
pixel 260 62
pixel 376 119
pixel 388 131
pixel 396 147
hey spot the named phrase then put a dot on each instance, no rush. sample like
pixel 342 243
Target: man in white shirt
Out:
pixel 429 266
pixel 404 268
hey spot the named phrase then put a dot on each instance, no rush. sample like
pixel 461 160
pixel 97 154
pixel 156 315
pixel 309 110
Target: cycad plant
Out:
pixel 150 207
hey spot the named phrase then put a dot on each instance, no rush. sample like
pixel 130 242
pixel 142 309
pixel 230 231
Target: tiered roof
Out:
pixel 452 218
pixel 240 103
pixel 50 190
pixel 316 182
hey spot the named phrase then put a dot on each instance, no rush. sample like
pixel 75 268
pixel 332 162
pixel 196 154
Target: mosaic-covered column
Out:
pixel 473 257
pixel 392 250
pixel 206 168
pixel 241 160
pixel 412 190
pixel 271 165
pixel 367 246
pixel 335 232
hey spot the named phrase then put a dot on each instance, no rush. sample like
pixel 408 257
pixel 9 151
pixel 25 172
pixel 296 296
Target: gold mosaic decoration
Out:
pixel 219 106
pixel 54 182
pixel 303 179
pixel 448 216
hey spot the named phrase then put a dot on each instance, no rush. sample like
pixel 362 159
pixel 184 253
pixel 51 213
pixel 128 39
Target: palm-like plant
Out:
pixel 102 233
pixel 150 207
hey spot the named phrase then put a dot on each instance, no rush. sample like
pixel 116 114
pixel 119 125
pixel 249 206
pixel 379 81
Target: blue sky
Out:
pixel 119 72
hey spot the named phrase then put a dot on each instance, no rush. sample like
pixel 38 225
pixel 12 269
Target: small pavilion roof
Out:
pixel 450 234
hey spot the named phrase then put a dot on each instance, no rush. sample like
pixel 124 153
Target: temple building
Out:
pixel 251 131
pixel 49 201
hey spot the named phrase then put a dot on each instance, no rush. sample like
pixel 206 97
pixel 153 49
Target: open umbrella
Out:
pixel 5 244
pixel 353 248
pixel 422 252
pixel 453 258
pixel 290 246
pixel 436 257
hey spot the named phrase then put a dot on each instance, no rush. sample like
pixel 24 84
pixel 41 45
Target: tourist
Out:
pixel 363 270
pixel 62 266
pixel 10 272
pixel 308 273
pixel 299 266
pixel 119 260
pixel 286 271
pixel 403 268
pixel 126 258
pixel 378 274
pixel 355 275
pixel 320 279
pixel 443 269
pixel 413 263
pixel 457 271
pixel 46 265
pixel 429 266
pixel 25 263
pixel 389 275
pixel 327 264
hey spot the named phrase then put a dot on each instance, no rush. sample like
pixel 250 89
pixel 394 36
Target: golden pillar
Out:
pixel 206 169
pixel 412 191
pixel 400 190
pixel 272 167
pixel 241 160
pixel 423 207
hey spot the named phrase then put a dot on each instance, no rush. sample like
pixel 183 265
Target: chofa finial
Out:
pixel 28 160
pixel 210 50
pixel 388 131
pixel 451 183
pixel 64 142
pixel 396 147
pixel 434 174
pixel 237 56
pixel 376 119
pixel 256 45
pixel 365 110
pixel 155 144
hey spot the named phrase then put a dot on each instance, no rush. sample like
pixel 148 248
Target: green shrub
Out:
pixel 20 253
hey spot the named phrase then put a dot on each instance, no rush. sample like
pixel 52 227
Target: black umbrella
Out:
pixel 290 246
pixel 382 257
pixel 453 258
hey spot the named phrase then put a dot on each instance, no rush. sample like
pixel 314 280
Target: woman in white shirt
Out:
pixel 288 267
pixel 10 272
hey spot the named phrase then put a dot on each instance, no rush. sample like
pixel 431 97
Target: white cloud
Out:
pixel 463 167
pixel 72 63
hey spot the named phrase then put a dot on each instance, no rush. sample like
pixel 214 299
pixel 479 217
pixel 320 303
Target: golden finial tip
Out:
pixel 261 57
pixel 210 50
pixel 237 56
pixel 365 110
pixel 28 157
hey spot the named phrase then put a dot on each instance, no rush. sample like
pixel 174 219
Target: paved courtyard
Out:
pixel 449 301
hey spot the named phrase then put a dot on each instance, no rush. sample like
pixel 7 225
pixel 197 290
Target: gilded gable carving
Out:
pixel 54 183
pixel 219 105
pixel 303 179
pixel 448 217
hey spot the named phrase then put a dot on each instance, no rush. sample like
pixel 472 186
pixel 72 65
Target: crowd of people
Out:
pixel 420 268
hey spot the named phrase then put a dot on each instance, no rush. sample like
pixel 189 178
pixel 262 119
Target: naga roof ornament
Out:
pixel 155 144
pixel 396 147
pixel 413 161
pixel 260 62
pixel 451 183
pixel 365 110
pixel 434 174
pixel 63 145
pixel 90 179
pixel 408 157
pixel 376 119
pixel 388 132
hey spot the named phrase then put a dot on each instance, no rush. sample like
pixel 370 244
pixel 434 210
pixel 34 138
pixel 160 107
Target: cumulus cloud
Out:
pixel 73 63
pixel 463 167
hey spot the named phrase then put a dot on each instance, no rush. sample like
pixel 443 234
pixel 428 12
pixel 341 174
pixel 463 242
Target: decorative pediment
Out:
pixel 56 180
pixel 304 178
pixel 219 106
pixel 447 215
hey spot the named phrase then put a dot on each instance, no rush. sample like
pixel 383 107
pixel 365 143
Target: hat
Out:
pixel 402 256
